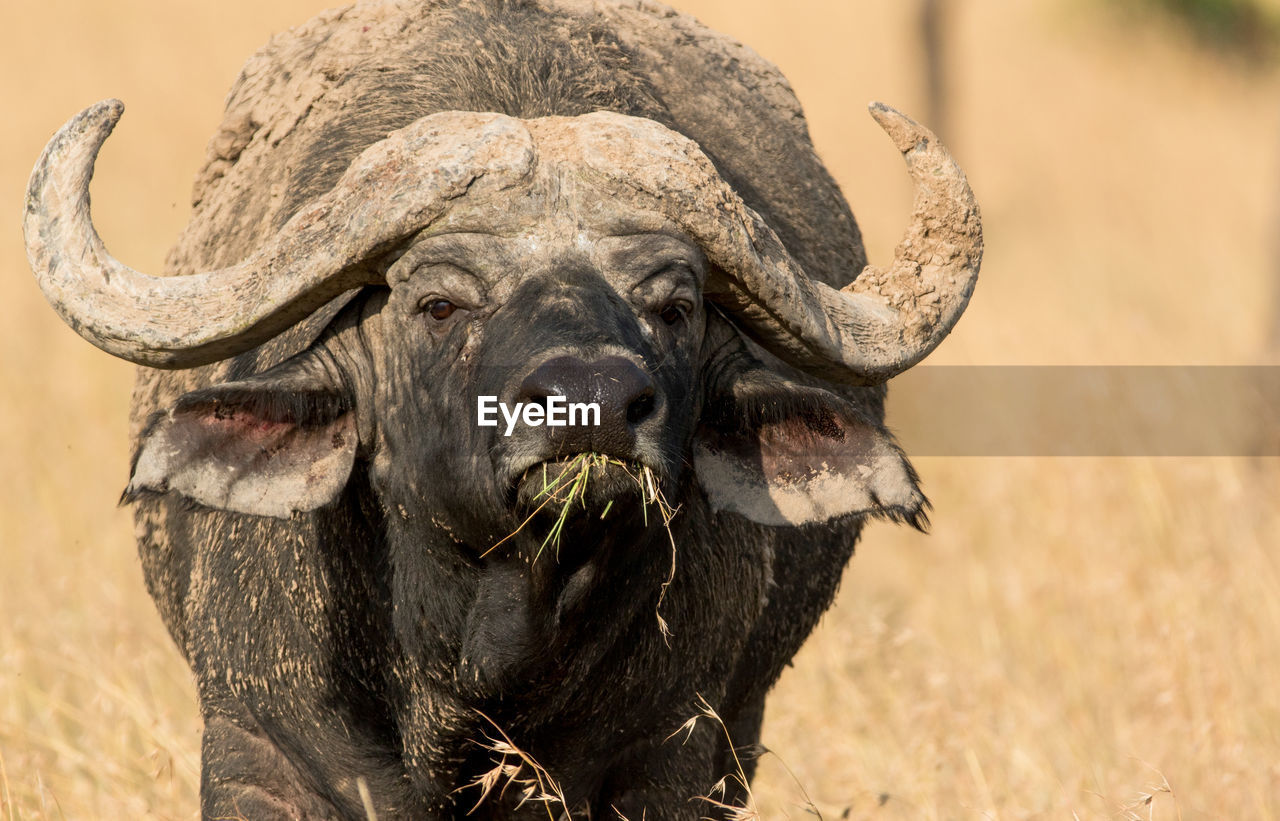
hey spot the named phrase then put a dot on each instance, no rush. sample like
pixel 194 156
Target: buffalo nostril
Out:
pixel 538 386
pixel 641 407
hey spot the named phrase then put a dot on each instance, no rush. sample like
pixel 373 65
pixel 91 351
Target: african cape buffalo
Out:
pixel 413 204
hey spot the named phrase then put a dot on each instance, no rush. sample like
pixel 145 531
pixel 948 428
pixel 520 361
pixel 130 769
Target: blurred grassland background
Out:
pixel 1089 636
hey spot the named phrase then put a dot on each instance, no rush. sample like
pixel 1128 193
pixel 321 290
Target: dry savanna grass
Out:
pixel 1084 637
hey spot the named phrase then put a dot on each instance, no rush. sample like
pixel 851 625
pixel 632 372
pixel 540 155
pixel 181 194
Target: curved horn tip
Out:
pixel 86 131
pixel 102 115
pixel 112 104
pixel 905 132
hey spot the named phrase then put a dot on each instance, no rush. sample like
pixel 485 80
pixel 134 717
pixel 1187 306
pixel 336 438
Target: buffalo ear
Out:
pixel 279 442
pixel 784 453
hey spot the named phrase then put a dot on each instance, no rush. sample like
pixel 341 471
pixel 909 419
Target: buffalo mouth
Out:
pixel 583 484
pixel 568 505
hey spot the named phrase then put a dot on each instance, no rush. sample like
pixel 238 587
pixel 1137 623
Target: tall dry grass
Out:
pixel 1088 636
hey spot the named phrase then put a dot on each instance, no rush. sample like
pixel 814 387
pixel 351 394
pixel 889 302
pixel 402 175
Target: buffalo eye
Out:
pixel 673 313
pixel 439 309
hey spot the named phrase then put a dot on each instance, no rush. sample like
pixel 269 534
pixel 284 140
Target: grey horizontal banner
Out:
pixel 1087 411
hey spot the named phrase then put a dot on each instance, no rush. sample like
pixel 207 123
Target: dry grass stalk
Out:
pixel 535 785
pixel 8 796
pixel 749 811
pixel 366 799
pixel 1143 808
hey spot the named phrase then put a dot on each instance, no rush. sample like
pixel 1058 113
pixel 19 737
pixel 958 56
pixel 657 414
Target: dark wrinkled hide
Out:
pixel 373 637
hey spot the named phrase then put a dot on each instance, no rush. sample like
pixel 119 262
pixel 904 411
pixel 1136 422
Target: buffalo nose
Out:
pixel 621 389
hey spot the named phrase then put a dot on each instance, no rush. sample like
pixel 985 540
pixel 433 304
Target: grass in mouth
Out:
pixel 569 486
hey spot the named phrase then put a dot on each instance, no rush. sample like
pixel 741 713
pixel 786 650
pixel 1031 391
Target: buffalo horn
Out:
pixel 888 319
pixel 392 190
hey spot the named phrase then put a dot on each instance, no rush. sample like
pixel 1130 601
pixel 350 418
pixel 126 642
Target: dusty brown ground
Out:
pixel 1076 635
